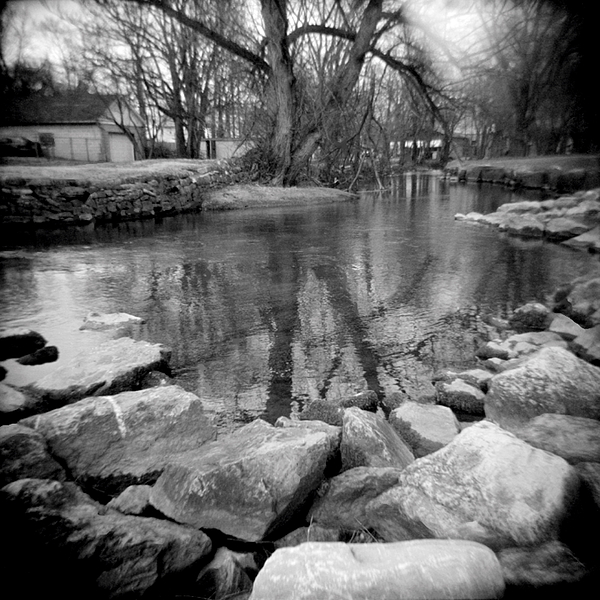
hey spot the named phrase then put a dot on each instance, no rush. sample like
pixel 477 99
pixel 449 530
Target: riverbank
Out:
pixel 556 173
pixel 61 194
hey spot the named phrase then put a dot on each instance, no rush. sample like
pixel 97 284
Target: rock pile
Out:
pixel 570 220
pixel 129 492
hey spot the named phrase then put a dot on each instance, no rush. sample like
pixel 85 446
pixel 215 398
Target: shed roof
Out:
pixel 71 107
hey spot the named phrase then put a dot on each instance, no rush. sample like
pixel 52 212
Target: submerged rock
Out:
pixel 13 403
pixel 102 322
pixel 112 367
pixel 552 380
pixel 486 485
pixel 111 442
pixel 412 570
pixel 19 341
pixel 249 484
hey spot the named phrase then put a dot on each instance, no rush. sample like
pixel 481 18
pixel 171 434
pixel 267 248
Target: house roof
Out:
pixel 73 107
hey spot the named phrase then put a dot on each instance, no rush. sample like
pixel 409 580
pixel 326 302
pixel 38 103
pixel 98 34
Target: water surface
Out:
pixel 267 308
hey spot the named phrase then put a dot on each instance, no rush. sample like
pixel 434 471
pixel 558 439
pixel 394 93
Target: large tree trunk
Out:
pixel 281 86
pixel 341 90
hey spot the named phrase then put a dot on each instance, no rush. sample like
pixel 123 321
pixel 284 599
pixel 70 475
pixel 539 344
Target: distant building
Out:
pixel 76 125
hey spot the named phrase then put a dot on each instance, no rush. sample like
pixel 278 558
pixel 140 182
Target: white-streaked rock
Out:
pixel 414 570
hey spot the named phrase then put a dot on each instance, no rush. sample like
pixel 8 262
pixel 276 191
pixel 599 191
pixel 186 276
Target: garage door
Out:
pixel 121 148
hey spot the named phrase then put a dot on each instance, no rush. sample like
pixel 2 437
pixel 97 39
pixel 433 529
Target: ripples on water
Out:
pixel 268 308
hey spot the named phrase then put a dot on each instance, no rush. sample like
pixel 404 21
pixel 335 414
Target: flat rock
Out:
pixel 24 454
pixel 111 442
pixel 342 499
pixel 248 484
pixel 19 341
pixel 486 485
pixel 575 439
pixel 425 427
pixel 524 224
pixel 552 380
pixel 461 396
pixel 78 548
pixel 112 367
pixel 415 570
pixel 134 500
pixel 102 322
pixel 368 440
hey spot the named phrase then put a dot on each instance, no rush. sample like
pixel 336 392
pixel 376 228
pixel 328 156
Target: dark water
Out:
pixel 267 308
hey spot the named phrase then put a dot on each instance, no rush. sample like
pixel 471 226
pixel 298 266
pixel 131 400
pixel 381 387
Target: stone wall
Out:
pixel 53 201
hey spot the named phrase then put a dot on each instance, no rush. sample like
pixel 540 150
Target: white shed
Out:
pixel 77 126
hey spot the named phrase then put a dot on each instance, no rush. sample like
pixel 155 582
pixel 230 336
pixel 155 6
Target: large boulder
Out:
pixel 368 440
pixel 485 485
pixel 565 327
pixel 64 544
pixel 19 341
pixel 250 484
pixel 112 367
pixel 342 500
pixel 573 438
pixel 524 224
pixel 414 570
pixel 552 380
pixel 24 454
pixel 425 427
pixel 111 442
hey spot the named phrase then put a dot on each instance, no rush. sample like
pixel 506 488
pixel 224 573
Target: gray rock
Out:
pixel 588 240
pixel 573 438
pixel 415 570
pixel 112 442
pixel 587 345
pixel 24 454
pixel 552 380
pixel 565 327
pixel 19 341
pixel 342 500
pixel 461 396
pixel 365 400
pixel 589 472
pixel 564 228
pixel 533 316
pixel 134 500
pixel 227 575
pixel 248 484
pixel 322 410
pixel 13 403
pixel 425 428
pixel 549 564
pixel 114 366
pixel 486 485
pixel 368 440
pixel 87 550
pixel 525 225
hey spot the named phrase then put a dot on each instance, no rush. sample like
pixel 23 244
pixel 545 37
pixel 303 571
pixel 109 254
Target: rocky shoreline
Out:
pixel 115 483
pixel 572 220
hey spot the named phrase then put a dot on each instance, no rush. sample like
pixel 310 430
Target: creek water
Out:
pixel 265 309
